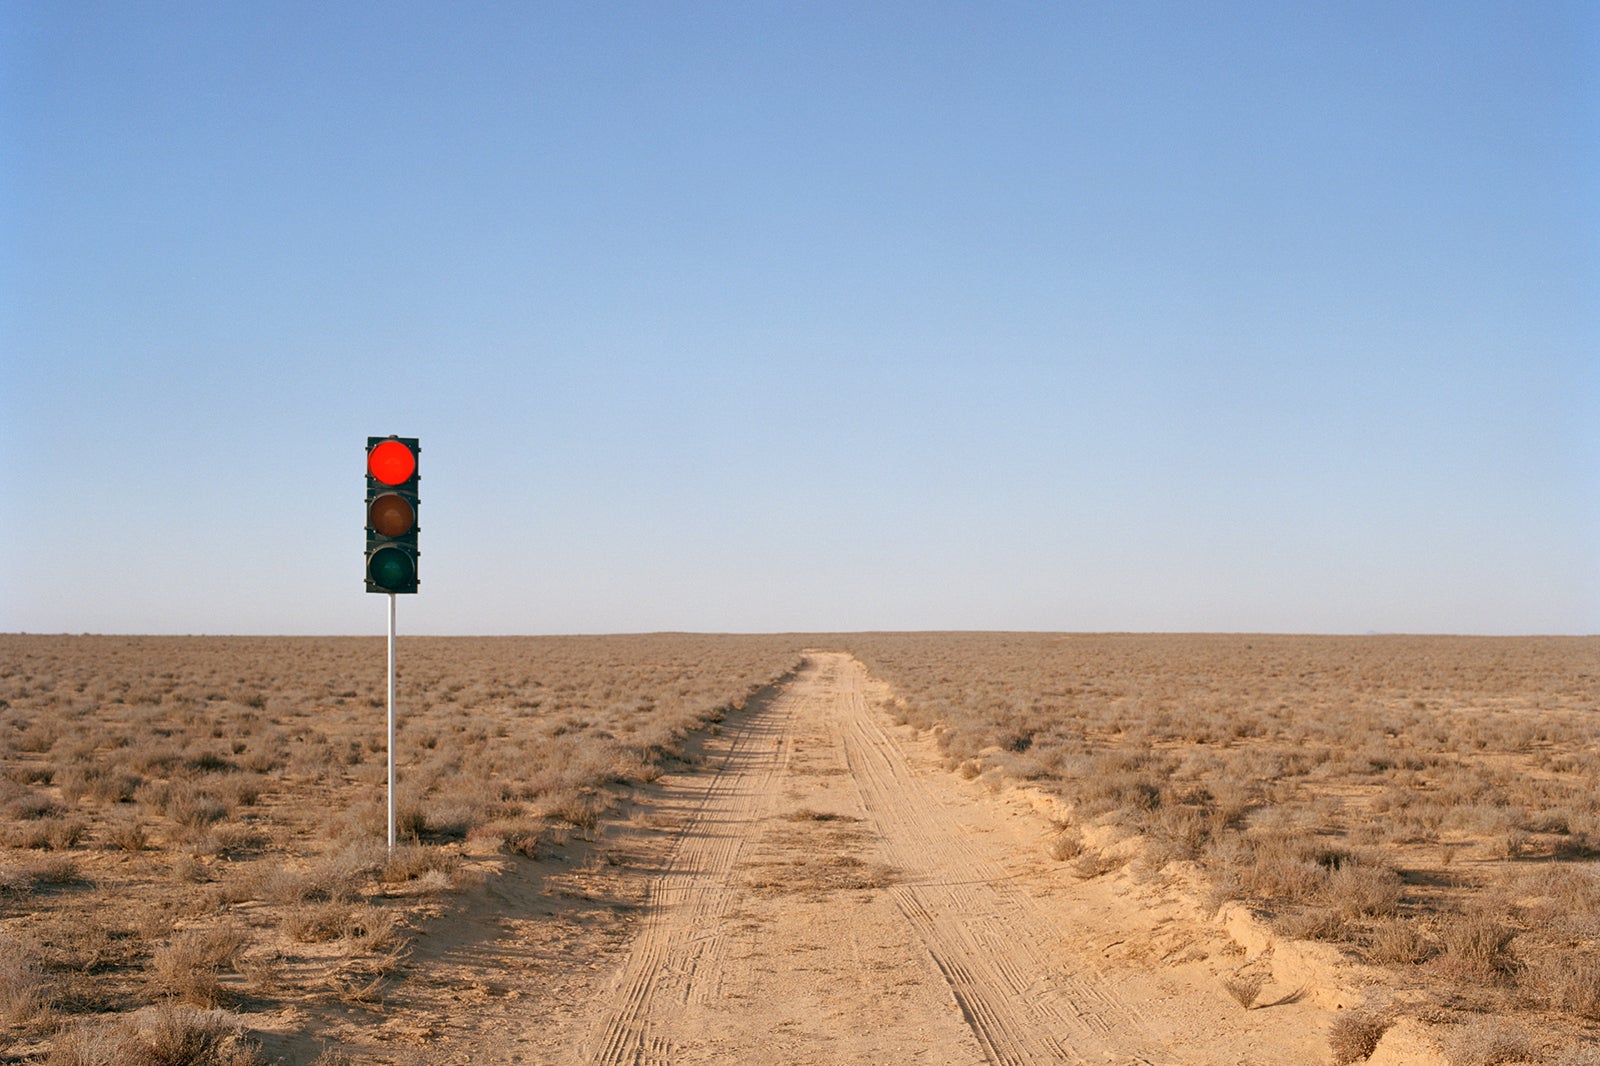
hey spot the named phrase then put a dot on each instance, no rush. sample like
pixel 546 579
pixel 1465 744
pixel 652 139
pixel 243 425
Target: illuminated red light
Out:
pixel 391 463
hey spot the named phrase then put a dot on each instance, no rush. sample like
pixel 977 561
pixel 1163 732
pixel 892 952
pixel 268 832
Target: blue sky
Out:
pixel 803 316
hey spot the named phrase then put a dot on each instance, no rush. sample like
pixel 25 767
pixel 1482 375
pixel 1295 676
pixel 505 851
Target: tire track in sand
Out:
pixel 676 958
pixel 999 952
pixel 982 940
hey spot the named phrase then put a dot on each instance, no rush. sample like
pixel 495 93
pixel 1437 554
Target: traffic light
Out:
pixel 392 514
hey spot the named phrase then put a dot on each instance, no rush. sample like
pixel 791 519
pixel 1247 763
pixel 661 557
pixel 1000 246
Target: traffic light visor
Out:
pixel 391 463
pixel 391 515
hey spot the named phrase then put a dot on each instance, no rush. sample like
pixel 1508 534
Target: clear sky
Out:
pixel 817 316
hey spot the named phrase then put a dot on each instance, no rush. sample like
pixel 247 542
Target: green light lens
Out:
pixel 391 568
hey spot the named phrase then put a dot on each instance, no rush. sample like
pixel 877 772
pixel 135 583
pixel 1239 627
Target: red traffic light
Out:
pixel 391 462
pixel 392 507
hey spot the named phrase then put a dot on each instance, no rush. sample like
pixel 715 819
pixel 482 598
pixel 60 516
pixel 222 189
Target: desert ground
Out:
pixel 859 848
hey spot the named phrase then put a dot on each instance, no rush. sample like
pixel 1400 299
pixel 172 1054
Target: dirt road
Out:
pixel 825 892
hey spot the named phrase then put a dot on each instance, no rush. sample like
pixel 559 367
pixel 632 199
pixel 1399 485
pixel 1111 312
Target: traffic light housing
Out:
pixel 392 514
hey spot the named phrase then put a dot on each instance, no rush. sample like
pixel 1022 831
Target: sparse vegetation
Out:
pixel 197 823
pixel 193 824
pixel 160 1036
pixel 1492 1042
pixel 1427 804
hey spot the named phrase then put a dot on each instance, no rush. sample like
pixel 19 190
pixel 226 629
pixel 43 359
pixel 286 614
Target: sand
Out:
pixel 821 890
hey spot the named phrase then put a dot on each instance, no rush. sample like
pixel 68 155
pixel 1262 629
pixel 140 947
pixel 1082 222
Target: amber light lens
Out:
pixel 391 463
pixel 392 515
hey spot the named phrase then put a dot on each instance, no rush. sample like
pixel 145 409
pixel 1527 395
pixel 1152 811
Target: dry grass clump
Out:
pixel 25 993
pixel 1067 843
pixel 412 862
pixel 1477 948
pixel 314 923
pixel 190 968
pixel 1493 1041
pixel 1354 1035
pixel 335 1057
pixel 1245 987
pixel 1396 942
pixel 1427 803
pixel 162 1036
pixel 1093 863
pixel 183 820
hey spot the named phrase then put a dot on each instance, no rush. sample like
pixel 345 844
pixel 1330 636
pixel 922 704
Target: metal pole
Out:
pixel 391 721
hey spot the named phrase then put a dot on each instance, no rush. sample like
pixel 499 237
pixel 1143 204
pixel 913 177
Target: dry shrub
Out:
pixel 314 923
pixel 1357 890
pixel 189 969
pixel 194 807
pixel 370 929
pixel 1476 947
pixel 357 988
pixel 1067 844
pixel 57 834
pixel 451 819
pixel 15 880
pixel 38 738
pixel 33 807
pixel 1245 987
pixel 127 834
pixel 1311 923
pixel 56 870
pixel 1124 780
pixel 190 870
pixel 516 836
pixel 274 884
pixel 334 1057
pixel 433 882
pixel 188 1038
pixel 24 989
pixel 87 945
pixel 162 1036
pixel 1510 844
pixel 410 820
pixel 1092 864
pixel 1396 942
pixel 375 930
pixel 101 784
pixel 1354 1034
pixel 241 789
pixel 410 861
pixel 341 876
pixel 1490 1042
pixel 1568 979
pixel 94 1045
pixel 1155 856
pixel 1290 865
pixel 31 774
pixel 580 809
pixel 1179 826
pixel 232 840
